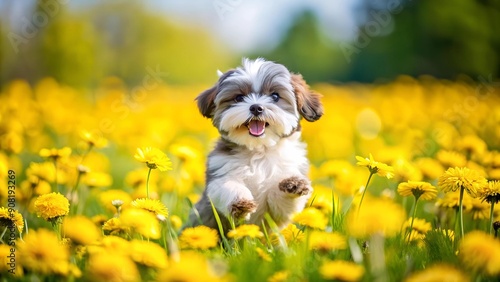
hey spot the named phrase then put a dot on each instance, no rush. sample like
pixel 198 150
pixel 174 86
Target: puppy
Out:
pixel 259 164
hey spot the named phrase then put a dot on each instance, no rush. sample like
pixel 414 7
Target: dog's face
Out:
pixel 259 103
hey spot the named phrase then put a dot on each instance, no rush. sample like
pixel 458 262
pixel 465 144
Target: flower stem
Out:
pixel 147 183
pixel 364 191
pixel 461 211
pixel 490 226
pixel 414 208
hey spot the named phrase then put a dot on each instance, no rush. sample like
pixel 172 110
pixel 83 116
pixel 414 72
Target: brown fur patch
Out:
pixel 308 101
pixel 295 185
pixel 242 207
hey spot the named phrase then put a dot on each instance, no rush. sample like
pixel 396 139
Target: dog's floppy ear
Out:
pixel 206 99
pixel 308 101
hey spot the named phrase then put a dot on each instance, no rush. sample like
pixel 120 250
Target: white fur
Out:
pixel 255 175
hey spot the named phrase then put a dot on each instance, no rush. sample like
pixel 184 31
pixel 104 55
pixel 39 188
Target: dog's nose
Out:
pixel 256 109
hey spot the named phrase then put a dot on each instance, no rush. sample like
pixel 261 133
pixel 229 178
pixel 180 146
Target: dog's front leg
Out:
pixel 289 197
pixel 231 198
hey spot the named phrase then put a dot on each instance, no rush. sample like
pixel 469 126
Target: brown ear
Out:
pixel 308 101
pixel 206 99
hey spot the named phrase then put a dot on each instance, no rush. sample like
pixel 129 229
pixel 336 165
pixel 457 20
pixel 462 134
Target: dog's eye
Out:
pixel 275 96
pixel 239 98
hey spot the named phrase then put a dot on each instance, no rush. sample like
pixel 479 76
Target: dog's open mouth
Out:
pixel 256 128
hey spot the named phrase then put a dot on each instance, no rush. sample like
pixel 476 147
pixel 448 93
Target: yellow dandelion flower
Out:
pixel 375 167
pixel 452 200
pixel 11 217
pixel 448 233
pixel 54 153
pixel 322 199
pixel 81 230
pixel 200 237
pixel 280 276
pixel 107 266
pixel 184 152
pixel 148 254
pixel 97 179
pixel 335 168
pixel 114 226
pixel 154 206
pixel 175 222
pixel 419 189
pixel 461 177
pixel 491 192
pixel 479 209
pixel 480 252
pixel 41 252
pixel 41 171
pixel 154 158
pixel 111 244
pixel 8 263
pixel 51 206
pixel 312 218
pixel 377 216
pixel 341 270
pixel 325 241
pixel 419 225
pixel 191 267
pixel 142 222
pixel 263 255
pixel 430 168
pixel 439 272
pixel 472 145
pixel 451 159
pixel 290 233
pixel 107 197
pixel 93 139
pixel 245 230
pixel 405 170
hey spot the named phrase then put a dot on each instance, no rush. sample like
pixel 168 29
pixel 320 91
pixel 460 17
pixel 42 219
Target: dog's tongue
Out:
pixel 256 127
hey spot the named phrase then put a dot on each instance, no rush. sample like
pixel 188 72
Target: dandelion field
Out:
pixel 97 183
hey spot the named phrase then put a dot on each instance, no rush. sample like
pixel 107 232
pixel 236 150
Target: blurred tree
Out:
pixel 462 38
pixel 306 50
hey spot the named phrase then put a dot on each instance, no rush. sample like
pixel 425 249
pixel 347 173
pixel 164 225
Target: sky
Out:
pixel 241 25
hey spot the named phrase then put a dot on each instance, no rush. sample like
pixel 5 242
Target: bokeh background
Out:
pixel 80 42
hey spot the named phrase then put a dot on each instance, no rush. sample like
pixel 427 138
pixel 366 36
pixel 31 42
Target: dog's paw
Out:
pixel 243 208
pixel 296 186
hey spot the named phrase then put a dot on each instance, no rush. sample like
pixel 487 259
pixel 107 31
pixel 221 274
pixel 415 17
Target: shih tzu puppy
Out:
pixel 259 164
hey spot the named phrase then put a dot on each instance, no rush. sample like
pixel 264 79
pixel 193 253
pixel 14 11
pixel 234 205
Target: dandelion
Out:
pixel 42 252
pixel 462 179
pixel 341 270
pixel 439 272
pixel 175 222
pixel 142 222
pixel 290 233
pixel 480 252
pixel 10 217
pixel 263 255
pixel 93 139
pixel 81 230
pixel 52 207
pixel 148 254
pixel 374 168
pixel 108 266
pixel 378 216
pixel 200 237
pixel 154 159
pixel 55 154
pixel 451 159
pixel 190 267
pixel 245 230
pixel 419 190
pixel 491 194
pixel 154 206
pixel 312 218
pixel 107 197
pixel 325 241
pixel 280 276
pixel 114 226
pixel 419 226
